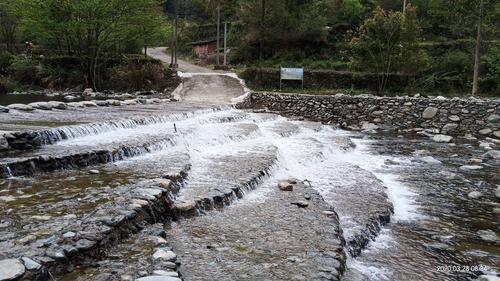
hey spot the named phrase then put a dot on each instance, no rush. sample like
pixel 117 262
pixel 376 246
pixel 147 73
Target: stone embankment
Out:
pixel 439 118
pixel 81 241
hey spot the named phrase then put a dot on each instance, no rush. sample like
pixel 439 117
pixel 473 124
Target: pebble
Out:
pixel 470 167
pixel 94 172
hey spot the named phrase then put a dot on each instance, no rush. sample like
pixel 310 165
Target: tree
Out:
pixel 477 54
pixel 88 29
pixel 388 43
pixel 8 24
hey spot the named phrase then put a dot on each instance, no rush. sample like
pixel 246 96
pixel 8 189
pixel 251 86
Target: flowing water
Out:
pixel 434 223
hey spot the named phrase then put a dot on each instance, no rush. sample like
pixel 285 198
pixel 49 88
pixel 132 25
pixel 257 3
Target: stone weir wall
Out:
pixel 436 117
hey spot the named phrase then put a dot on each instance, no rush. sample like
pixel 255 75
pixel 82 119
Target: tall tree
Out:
pixel 86 28
pixel 8 24
pixel 388 43
pixel 477 55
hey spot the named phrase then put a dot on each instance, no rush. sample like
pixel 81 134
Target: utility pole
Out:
pixel 172 45
pixel 176 65
pixel 225 44
pixel 217 62
pixel 477 57
pixel 262 17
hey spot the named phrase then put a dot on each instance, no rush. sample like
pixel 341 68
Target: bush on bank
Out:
pixel 132 73
pixel 269 78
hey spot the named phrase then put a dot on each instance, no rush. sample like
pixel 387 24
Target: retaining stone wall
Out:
pixel 438 115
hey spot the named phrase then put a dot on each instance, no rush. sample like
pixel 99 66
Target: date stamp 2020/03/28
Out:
pixel 462 268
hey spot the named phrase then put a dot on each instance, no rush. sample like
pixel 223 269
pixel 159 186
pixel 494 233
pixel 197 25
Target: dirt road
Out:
pixel 202 85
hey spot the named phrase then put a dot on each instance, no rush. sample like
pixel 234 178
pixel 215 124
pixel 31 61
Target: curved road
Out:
pixel 201 85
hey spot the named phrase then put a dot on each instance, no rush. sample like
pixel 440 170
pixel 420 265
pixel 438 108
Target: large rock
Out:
pixel 493 118
pixel 88 92
pixel 164 254
pixel 11 269
pixel 20 106
pixel 4 109
pixel 41 105
pixel 442 138
pixel 58 105
pixel 488 278
pixel 487 235
pixel 429 112
pixel 492 154
pixel 285 186
pixel 450 127
pixel 485 131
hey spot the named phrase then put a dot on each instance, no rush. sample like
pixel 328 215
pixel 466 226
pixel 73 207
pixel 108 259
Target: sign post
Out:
pixel 291 74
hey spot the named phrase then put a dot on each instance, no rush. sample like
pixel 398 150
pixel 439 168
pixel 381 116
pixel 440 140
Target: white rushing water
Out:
pixel 319 154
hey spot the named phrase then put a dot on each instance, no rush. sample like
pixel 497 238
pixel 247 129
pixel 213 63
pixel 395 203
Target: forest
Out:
pixel 424 46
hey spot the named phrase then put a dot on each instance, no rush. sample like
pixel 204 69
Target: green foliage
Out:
pixel 387 43
pixel 493 65
pixel 135 75
pixel 5 62
pixel 88 29
pixel 25 70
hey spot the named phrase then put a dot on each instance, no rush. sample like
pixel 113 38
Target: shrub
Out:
pixel 5 62
pixel 137 75
pixel 25 70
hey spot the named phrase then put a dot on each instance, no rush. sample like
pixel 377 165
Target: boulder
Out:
pixel 450 127
pixel 165 255
pixel 496 134
pixel 429 112
pixel 442 138
pixel 113 102
pixel 31 264
pixel 75 104
pixel 470 167
pixel 487 235
pixel 475 195
pixel 88 92
pixel 493 118
pixel 41 105
pixel 70 98
pixel 4 109
pixel 20 106
pixel 285 186
pixel 485 131
pixel 165 273
pixel 492 154
pixel 89 104
pixel 488 278
pixel 101 102
pixel 128 102
pixel 366 126
pixel 11 269
pixel 58 105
